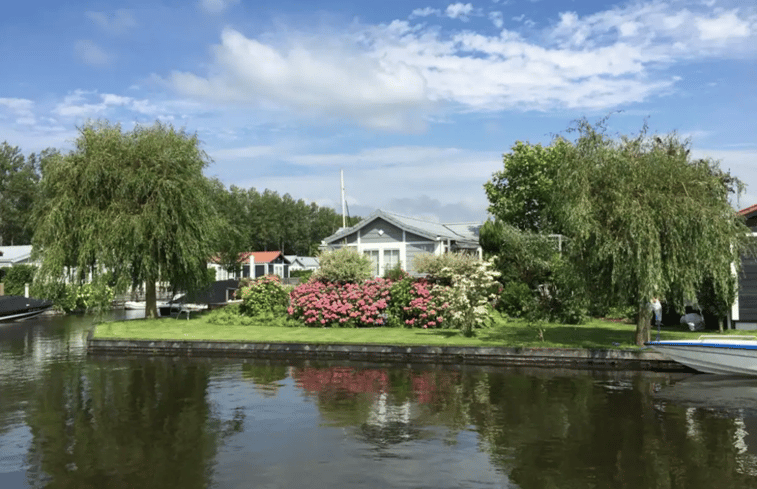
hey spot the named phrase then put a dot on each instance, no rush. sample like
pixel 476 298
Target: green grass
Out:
pixel 596 333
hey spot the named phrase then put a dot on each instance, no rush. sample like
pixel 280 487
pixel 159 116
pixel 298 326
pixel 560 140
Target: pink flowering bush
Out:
pixel 427 308
pixel 319 303
pixel 263 295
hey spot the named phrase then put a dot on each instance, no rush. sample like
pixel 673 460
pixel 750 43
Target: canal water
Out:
pixel 72 421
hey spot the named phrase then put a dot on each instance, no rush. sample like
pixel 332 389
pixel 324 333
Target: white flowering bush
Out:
pixel 470 287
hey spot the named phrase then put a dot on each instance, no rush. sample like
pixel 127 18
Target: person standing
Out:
pixel 657 309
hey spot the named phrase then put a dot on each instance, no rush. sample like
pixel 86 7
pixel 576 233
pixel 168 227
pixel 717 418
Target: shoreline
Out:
pixel 576 358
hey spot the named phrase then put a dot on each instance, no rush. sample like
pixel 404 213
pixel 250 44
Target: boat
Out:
pixel 166 308
pixel 140 305
pixel 713 354
pixel 16 307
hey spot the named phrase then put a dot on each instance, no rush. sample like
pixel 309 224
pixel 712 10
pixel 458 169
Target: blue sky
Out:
pixel 415 100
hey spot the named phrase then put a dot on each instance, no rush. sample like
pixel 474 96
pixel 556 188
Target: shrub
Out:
pixel 428 306
pixel 96 296
pixel 396 273
pixel 516 299
pixel 263 295
pixel 470 287
pixel 16 277
pixel 344 265
pixel 318 303
pixel 303 275
pixel 399 299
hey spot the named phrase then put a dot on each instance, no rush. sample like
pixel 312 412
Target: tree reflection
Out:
pixel 147 425
pixel 266 376
pixel 572 431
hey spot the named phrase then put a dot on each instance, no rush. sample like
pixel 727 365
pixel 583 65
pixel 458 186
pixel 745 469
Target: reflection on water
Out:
pixel 67 420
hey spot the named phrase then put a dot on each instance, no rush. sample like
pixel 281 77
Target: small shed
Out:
pixel 255 264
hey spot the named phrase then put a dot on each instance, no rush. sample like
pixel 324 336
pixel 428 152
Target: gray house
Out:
pixel 390 239
pixel 744 310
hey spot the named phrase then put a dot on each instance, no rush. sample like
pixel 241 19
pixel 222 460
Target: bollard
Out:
pixel 26 290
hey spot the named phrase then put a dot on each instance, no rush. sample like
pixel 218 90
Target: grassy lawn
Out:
pixel 596 333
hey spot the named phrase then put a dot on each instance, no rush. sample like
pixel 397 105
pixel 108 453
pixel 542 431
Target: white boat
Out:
pixel 713 354
pixel 166 308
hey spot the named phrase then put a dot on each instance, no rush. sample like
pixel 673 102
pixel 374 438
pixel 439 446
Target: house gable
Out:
pixel 380 231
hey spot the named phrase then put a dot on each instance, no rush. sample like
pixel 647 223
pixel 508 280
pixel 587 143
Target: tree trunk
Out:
pixel 151 299
pixel 642 324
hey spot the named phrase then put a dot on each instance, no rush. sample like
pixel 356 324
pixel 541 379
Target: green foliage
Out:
pixel 96 296
pixel 399 299
pixel 16 277
pixel 231 315
pixel 470 287
pixel 19 178
pixel 516 299
pixel 522 256
pixel 344 265
pixel 269 221
pixel 228 315
pixel 396 273
pixel 134 203
pixel 264 295
pixel 522 193
pixel 303 275
pixel 645 220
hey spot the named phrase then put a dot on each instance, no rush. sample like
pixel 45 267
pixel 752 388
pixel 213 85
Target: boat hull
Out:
pixel 17 308
pixel 720 356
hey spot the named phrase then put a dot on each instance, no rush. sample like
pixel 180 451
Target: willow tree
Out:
pixel 645 220
pixel 133 205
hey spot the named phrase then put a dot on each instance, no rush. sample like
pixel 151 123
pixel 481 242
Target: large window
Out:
pixel 374 256
pixel 391 259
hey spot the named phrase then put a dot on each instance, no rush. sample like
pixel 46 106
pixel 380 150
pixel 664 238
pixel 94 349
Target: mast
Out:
pixel 344 202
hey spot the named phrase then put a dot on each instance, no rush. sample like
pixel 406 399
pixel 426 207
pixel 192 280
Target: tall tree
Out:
pixel 132 204
pixel 521 194
pixel 645 220
pixel 18 187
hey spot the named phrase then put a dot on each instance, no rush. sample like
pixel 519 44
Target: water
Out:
pixel 70 421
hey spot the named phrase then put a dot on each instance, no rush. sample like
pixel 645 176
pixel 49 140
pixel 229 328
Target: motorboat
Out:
pixel 166 308
pixel 713 354
pixel 16 308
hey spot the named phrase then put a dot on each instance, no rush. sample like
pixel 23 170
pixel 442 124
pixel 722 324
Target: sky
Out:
pixel 415 100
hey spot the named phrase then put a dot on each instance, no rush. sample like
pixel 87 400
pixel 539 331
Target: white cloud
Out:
pixel 424 12
pixel 459 11
pixel 497 19
pixel 22 110
pixel 245 153
pixel 118 22
pixel 429 174
pixel 90 53
pixel 217 6
pixel 391 75
pixel 726 26
pixel 332 80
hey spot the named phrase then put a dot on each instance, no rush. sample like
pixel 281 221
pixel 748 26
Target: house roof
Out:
pixel 748 211
pixel 304 261
pixel 462 233
pixel 15 254
pixel 260 256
